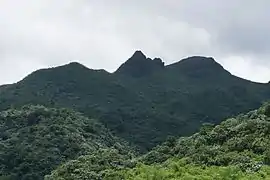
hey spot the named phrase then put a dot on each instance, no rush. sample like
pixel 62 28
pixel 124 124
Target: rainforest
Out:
pixel 188 120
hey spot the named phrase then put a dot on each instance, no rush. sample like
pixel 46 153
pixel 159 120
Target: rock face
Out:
pixel 139 65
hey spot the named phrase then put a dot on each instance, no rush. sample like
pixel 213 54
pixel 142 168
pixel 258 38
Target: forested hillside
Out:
pixel 34 140
pixel 144 101
pixel 237 149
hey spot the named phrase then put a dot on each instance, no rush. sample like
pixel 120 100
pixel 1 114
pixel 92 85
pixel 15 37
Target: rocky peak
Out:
pixel 139 65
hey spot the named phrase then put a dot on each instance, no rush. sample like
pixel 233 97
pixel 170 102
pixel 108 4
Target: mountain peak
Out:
pixel 198 66
pixel 138 55
pixel 199 59
pixel 139 65
pixel 73 64
pixel 201 62
pixel 66 71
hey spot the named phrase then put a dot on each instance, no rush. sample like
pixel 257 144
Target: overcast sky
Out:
pixel 102 34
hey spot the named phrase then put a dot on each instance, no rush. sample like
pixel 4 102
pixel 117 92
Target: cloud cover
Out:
pixel 103 34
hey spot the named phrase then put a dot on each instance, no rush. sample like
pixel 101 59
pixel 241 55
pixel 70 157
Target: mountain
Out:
pixel 144 101
pixel 198 66
pixel 238 149
pixel 2 87
pixel 241 140
pixel 34 140
pixel 139 66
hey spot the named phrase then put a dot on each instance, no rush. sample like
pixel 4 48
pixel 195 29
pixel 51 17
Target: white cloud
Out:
pixel 244 67
pixel 103 34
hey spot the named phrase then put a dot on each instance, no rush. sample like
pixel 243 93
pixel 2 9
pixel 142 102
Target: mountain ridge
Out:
pixel 138 54
pixel 143 109
pixel 91 121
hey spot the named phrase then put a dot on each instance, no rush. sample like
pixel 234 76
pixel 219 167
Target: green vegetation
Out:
pixel 101 164
pixel 34 140
pixel 141 105
pixel 179 170
pixel 237 149
pixel 143 101
pixel 242 141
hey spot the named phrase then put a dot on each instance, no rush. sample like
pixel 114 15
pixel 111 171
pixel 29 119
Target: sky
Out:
pixel 102 34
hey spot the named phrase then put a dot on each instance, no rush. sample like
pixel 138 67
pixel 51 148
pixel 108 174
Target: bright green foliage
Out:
pixel 34 140
pixel 93 167
pixel 179 170
pixel 173 169
pixel 144 101
pixel 242 141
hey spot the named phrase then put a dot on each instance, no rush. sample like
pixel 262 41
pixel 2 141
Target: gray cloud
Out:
pixel 103 34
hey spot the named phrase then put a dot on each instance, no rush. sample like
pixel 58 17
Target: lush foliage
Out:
pixel 101 164
pixel 236 149
pixel 179 170
pixel 144 101
pixel 34 140
pixel 172 169
pixel 242 141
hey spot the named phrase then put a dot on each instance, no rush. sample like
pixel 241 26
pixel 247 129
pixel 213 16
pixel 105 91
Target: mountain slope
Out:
pixel 143 101
pixel 93 167
pixel 237 149
pixel 242 141
pixel 34 140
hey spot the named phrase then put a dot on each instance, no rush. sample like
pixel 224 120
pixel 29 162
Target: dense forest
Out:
pixel 35 139
pixel 64 145
pixel 238 148
pixel 188 120
pixel 144 101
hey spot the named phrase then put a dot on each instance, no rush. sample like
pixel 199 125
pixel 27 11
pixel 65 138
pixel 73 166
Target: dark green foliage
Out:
pixel 144 101
pixel 241 141
pixel 236 149
pixel 93 167
pixel 34 140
